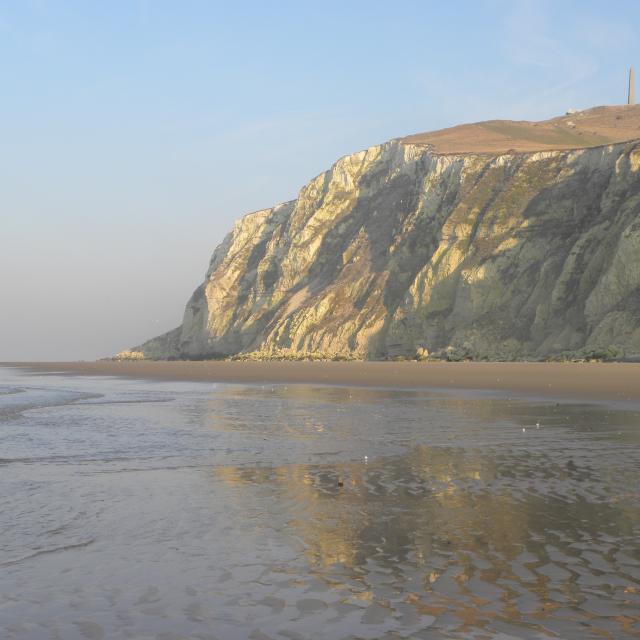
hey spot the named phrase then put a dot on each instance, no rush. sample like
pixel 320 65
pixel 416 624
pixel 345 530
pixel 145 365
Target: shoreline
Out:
pixel 618 382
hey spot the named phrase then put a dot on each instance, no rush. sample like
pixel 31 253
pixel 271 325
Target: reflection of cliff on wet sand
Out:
pixel 465 536
pixel 482 514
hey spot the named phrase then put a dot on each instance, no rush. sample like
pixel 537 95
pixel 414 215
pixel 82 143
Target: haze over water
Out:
pixel 145 509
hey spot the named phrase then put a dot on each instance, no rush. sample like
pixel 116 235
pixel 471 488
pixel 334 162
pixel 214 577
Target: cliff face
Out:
pixel 398 249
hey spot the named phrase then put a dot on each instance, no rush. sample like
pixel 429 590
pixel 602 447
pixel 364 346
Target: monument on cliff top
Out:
pixel 631 96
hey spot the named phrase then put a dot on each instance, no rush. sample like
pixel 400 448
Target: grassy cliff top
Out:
pixel 589 128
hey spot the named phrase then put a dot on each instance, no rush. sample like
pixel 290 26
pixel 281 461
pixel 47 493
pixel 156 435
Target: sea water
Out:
pixel 145 509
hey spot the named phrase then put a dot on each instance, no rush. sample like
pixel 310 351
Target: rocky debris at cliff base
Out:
pixel 129 355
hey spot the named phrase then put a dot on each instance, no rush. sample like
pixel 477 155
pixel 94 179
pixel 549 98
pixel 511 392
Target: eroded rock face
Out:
pixel 398 251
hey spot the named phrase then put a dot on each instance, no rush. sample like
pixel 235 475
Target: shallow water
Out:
pixel 145 509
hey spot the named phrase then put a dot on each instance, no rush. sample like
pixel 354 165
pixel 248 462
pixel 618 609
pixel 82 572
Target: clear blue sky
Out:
pixel 132 134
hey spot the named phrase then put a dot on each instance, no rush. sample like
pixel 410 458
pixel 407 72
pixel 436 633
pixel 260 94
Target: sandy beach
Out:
pixel 145 501
pixel 580 381
pixel 320 499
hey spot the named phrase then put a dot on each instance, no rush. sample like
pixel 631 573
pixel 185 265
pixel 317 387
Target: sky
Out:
pixel 133 134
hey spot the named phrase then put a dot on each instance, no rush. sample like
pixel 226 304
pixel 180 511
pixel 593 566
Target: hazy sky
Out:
pixel 132 134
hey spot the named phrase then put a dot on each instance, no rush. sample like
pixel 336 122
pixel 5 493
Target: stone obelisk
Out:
pixel 631 98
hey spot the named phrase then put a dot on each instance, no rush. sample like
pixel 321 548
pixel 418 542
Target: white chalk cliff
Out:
pixel 404 250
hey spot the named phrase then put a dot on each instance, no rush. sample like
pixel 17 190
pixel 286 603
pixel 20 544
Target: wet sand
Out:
pixel 160 509
pixel 580 381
